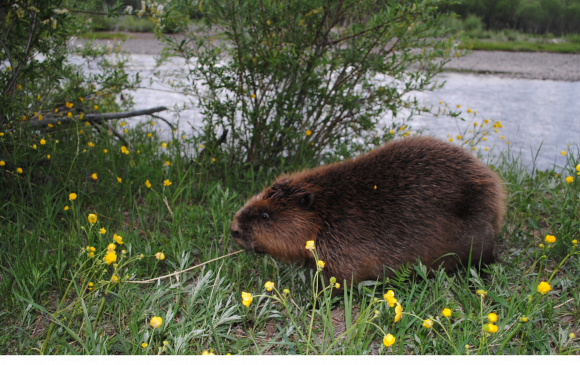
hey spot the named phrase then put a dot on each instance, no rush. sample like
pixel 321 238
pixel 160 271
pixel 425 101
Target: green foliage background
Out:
pixel 530 16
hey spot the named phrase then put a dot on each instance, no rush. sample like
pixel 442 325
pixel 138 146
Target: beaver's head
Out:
pixel 278 221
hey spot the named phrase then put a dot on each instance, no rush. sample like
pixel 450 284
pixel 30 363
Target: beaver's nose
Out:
pixel 235 229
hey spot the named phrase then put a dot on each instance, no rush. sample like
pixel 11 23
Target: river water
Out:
pixel 534 113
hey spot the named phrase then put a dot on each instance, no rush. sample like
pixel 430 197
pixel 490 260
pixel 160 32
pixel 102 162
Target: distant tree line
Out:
pixel 530 16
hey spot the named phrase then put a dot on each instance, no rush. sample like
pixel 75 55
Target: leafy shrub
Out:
pixel 298 79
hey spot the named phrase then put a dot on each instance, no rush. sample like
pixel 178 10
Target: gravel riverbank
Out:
pixel 526 65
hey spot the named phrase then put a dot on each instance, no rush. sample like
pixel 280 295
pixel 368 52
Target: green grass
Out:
pixel 519 46
pixel 45 268
pixel 105 35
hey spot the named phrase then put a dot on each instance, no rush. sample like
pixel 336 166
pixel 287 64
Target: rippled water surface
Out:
pixel 533 113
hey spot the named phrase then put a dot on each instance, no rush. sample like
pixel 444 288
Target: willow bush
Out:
pixel 296 79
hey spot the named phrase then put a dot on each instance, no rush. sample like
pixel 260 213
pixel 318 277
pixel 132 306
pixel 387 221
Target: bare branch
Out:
pixel 97 117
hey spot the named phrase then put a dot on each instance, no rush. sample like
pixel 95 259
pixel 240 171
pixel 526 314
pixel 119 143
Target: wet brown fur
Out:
pixel 431 198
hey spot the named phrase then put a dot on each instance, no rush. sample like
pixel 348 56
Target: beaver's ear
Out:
pixel 306 200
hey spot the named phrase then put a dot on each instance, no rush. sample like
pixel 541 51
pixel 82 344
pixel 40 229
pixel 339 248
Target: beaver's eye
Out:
pixel 265 216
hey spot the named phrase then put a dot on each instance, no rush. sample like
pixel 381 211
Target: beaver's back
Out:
pixel 416 197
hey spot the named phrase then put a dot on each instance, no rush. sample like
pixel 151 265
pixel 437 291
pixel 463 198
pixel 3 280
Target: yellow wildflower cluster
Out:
pixel 124 150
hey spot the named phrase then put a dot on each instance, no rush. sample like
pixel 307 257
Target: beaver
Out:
pixel 416 197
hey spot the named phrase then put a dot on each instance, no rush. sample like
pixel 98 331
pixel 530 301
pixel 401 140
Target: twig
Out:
pixel 97 117
pixel 167 205
pixel 180 272
pixel 112 130
pixel 566 302
pixel 165 120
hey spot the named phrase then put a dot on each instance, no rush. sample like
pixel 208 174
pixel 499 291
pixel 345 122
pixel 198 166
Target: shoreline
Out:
pixel 520 65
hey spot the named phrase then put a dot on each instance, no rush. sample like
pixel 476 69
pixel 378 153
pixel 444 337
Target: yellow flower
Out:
pixel 156 322
pixel 469 110
pixel 160 256
pixel 43 142
pixel 308 132
pixel 390 298
pixel 111 247
pixel 253 96
pixel 490 327
pixel 458 137
pixel 428 323
pixel 458 106
pixel 118 239
pixel 110 257
pixel 200 146
pixel 34 146
pixel 81 116
pixel 48 157
pixel 56 110
pixel 69 114
pixel 92 218
pixel 167 163
pixel 578 167
pixel 286 291
pixel 320 264
pixel 105 151
pixel 91 144
pixel 550 239
pixel 544 288
pixel 163 145
pixel 144 345
pixel 574 242
pixel 152 123
pixel 19 170
pixel 205 352
pixel 81 99
pixel 119 180
pixel 450 139
pixel 269 285
pixel 96 107
pixel 492 317
pixel 398 312
pixel 102 231
pixel 246 299
pixel 563 153
pixel 69 105
pixel 481 292
pixel 24 117
pixel 125 130
pixel 388 340
pixel 149 135
pixel 91 285
pixel 94 176
pixel 337 286
pixel 310 245
pixel 569 179
pixel 446 312
pixel 72 196
pixel 167 183
pixel 2 163
pixel 147 184
pixel 66 208
pixel 115 279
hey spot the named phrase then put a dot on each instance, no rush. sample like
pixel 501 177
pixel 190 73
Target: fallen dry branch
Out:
pixel 182 271
pixel 97 117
